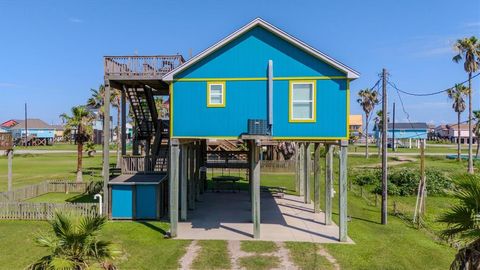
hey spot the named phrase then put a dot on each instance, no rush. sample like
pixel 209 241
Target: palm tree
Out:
pixel 457 94
pixel 74 245
pixel 379 128
pixel 368 98
pixel 476 131
pixel 116 97
pixel 463 222
pixel 96 101
pixel 469 50
pixel 81 121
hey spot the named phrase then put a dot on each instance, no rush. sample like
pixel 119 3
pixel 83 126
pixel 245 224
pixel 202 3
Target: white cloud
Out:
pixel 75 20
pixel 472 24
pixel 8 85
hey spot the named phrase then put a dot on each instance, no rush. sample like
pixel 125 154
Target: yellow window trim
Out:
pixel 290 101
pixel 212 105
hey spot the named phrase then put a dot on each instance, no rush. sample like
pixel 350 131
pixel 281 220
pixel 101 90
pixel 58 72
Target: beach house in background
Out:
pixel 257 85
pixel 454 133
pixel 35 131
pixel 406 134
pixel 356 125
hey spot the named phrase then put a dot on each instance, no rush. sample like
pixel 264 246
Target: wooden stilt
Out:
pixel 191 177
pixel 106 146
pixel 173 175
pixel 256 189
pixel 328 184
pixel 316 178
pixel 306 171
pixel 183 182
pixel 297 168
pixel 342 198
pixel 124 122
pixel 301 169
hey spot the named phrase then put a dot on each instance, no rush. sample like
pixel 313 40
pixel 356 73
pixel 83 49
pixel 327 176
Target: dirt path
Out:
pixel 192 252
pixel 399 161
pixel 324 253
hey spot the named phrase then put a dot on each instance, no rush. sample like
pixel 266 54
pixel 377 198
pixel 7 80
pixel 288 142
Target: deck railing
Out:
pixel 143 164
pixel 141 66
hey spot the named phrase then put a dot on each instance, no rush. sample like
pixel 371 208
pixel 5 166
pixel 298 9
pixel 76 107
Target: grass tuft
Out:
pixel 259 247
pixel 213 255
pixel 258 262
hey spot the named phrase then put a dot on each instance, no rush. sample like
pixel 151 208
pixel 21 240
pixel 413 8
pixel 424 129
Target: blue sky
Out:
pixel 51 51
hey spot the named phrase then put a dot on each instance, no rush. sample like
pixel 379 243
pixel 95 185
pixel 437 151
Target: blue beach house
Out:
pixel 259 85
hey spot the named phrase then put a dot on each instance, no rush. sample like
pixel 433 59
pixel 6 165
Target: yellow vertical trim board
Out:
pixel 171 109
pixel 290 101
pixel 224 92
pixel 348 109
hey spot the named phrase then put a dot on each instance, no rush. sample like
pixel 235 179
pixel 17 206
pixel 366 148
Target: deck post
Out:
pixel 106 146
pixel 301 166
pixel 306 171
pixel 255 167
pixel 173 173
pixel 316 178
pixel 191 177
pixel 297 168
pixel 183 182
pixel 197 171
pixel 342 201
pixel 124 122
pixel 328 184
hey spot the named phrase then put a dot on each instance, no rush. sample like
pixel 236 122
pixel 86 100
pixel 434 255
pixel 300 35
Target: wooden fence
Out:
pixel 44 211
pixel 32 191
pixel 279 165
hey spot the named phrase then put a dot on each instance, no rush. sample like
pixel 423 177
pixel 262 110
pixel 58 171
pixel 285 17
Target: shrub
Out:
pixel 367 177
pixel 404 182
pixel 94 187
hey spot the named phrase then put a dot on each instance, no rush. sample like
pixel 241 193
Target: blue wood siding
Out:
pixel 243 63
pixel 146 202
pixel 248 55
pixel 39 133
pixel 122 202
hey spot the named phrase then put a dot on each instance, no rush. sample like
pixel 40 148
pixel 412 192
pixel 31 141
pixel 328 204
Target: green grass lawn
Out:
pixel 30 169
pixel 373 149
pixel 395 246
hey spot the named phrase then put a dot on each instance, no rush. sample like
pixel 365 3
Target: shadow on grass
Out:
pixel 82 198
pixel 153 227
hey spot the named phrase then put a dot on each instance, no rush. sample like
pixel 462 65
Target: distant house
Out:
pixel 356 124
pixel 97 126
pixel 59 131
pixel 456 133
pixel 37 131
pixel 406 134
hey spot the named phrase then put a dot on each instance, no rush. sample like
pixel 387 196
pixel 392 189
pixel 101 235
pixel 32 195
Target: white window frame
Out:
pixel 209 95
pixel 312 101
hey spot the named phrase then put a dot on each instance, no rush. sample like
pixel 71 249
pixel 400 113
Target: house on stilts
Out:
pixel 257 85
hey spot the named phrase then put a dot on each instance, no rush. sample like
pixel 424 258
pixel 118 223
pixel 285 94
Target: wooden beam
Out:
pixel 328 184
pixel 316 178
pixel 297 168
pixel 342 198
pixel 106 146
pixel 183 182
pixel 306 171
pixel 173 174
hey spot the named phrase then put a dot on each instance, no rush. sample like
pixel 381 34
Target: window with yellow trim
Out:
pixel 216 94
pixel 302 101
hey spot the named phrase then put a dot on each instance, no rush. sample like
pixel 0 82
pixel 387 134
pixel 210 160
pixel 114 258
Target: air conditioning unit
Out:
pixel 258 127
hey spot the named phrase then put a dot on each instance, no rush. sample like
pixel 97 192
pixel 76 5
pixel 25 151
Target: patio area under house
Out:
pixel 258 86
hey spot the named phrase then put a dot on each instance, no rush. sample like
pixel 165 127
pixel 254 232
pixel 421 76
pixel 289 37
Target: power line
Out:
pixel 428 94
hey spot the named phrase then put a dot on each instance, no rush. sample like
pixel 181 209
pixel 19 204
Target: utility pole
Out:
pixel 384 147
pixel 393 128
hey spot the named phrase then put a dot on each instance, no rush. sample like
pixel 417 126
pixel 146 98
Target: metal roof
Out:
pixel 418 125
pixel 32 124
pixel 351 73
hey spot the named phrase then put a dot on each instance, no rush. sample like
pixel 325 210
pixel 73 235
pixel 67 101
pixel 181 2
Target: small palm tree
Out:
pixel 476 131
pixel 463 221
pixel 468 49
pixel 379 128
pixel 368 98
pixel 457 94
pixel 74 245
pixel 116 97
pixel 81 121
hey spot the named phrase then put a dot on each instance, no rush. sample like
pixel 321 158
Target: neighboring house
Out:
pixel 405 134
pixel 257 85
pixel 97 126
pixel 456 132
pixel 59 131
pixel 38 132
pixel 356 124
pixel 441 132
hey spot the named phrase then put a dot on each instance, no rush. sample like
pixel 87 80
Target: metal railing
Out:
pixel 141 66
